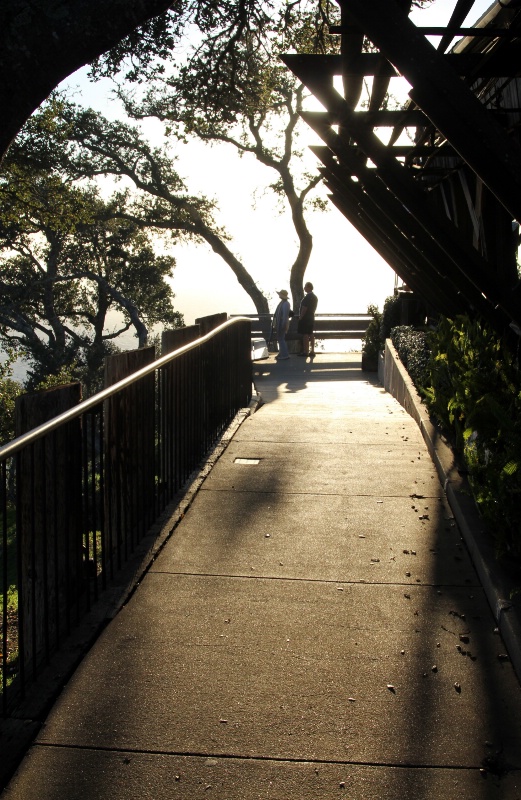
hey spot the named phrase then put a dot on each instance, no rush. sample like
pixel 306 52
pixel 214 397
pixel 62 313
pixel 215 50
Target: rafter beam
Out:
pixel 406 238
pixel 450 30
pixel 407 206
pixel 447 101
pixel 461 10
pixel 397 251
pixel 408 118
pixel 370 64
pixel 372 119
pixel 472 270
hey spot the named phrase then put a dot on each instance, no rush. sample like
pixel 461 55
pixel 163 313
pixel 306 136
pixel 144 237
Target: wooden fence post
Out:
pixel 182 410
pixel 211 321
pixel 49 522
pixel 130 469
pixel 178 337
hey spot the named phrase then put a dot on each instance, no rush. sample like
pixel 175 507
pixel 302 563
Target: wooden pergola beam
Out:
pixel 447 101
pixel 407 205
pixel 370 64
pixel 472 271
pixel 399 254
pixel 382 119
pixel 408 118
pixel 434 30
pixel 403 236
pixel 462 8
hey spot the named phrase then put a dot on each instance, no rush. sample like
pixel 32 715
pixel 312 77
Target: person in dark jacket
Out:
pixel 306 321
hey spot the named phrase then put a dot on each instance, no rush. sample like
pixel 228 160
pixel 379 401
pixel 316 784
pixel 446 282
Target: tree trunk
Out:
pixel 240 272
pixel 305 239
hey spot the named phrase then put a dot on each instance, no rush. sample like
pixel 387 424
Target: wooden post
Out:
pixel 180 410
pixel 129 455
pixel 211 321
pixel 49 522
pixel 178 337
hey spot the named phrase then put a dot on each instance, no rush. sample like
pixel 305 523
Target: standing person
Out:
pixel 281 325
pixel 306 320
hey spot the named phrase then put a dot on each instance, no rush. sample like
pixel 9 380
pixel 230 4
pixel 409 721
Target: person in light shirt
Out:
pixel 281 325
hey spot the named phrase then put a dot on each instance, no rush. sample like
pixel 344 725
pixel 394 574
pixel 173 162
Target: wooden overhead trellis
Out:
pixel 443 208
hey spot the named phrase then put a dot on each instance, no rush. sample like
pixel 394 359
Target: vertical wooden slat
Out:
pixel 49 524
pixel 178 337
pixel 175 412
pixel 211 321
pixel 129 453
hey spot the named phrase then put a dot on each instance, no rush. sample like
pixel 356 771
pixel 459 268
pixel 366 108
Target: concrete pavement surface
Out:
pixel 314 628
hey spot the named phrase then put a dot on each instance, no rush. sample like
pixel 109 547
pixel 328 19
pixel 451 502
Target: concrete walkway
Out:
pixel 314 628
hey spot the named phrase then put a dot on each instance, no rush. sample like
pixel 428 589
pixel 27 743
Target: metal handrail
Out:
pixel 17 444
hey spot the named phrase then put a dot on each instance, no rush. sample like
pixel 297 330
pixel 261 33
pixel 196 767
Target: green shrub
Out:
pixel 380 326
pixel 413 350
pixel 470 381
pixel 390 315
pixel 372 340
pixel 472 387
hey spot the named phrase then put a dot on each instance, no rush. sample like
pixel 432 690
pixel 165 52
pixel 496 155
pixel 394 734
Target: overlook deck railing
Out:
pixel 327 326
pixel 80 490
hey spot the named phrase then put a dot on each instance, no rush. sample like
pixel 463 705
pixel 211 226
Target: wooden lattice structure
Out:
pixel 444 208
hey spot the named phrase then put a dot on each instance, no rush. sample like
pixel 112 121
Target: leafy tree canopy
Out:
pixel 81 145
pixel 68 258
pixel 44 41
pixel 247 98
pixel 9 391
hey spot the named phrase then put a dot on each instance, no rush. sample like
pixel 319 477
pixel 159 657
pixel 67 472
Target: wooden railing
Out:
pixel 327 326
pixel 84 481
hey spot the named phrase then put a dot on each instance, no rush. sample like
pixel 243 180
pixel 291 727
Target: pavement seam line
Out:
pixel 327 494
pixel 325 581
pixel 237 757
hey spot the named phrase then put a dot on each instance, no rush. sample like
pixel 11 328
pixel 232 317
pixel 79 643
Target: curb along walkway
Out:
pixel 314 628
